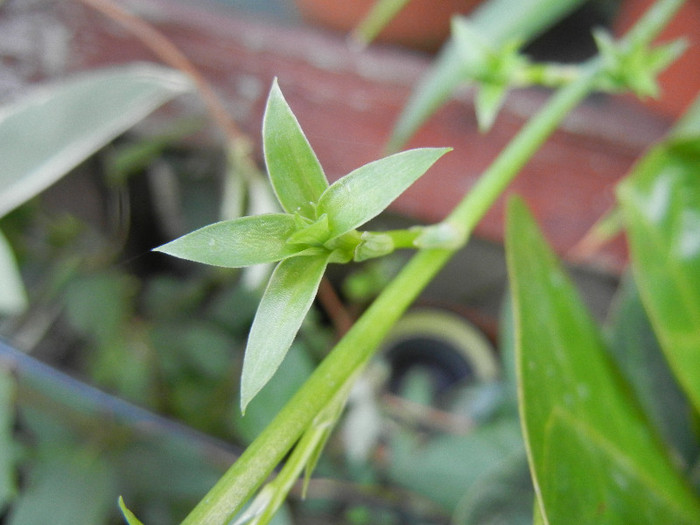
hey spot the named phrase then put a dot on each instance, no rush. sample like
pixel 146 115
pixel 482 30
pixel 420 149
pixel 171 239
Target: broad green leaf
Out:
pixel 591 451
pixel 56 127
pixel 287 299
pixel 294 170
pixel 238 242
pixel 13 298
pixel 661 206
pixel 8 486
pixel 129 516
pixel 365 192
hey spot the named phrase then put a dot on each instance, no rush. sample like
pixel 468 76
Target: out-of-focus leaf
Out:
pixel 239 242
pixel 287 299
pixel 13 298
pixel 8 486
pixel 639 357
pixel 129 516
pixel 365 192
pixel 661 205
pixel 382 12
pixel 502 496
pixel 498 20
pixel 67 487
pixel 592 453
pixel 294 170
pixel 447 467
pixel 49 132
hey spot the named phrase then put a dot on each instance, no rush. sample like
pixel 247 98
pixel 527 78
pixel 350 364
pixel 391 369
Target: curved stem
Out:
pixel 361 341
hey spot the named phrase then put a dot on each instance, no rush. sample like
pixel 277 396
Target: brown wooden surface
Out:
pixel 347 102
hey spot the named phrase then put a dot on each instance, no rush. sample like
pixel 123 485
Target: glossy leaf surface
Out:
pixel 592 453
pixel 287 299
pixel 294 170
pixel 365 192
pixel 661 205
pixel 55 128
pixel 238 242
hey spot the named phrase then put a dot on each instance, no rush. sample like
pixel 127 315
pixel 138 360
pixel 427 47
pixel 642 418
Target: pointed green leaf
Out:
pixel 287 299
pixel 129 516
pixel 364 193
pixel 238 242
pixel 489 100
pixel 661 205
pixel 13 298
pixel 592 453
pixel 52 130
pixel 294 170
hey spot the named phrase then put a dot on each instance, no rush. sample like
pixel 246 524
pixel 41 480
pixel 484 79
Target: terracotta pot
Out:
pixel 422 24
pixel 680 83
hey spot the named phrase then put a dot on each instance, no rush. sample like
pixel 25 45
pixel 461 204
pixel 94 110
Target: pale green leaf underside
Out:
pixel 565 372
pixel 13 298
pixel 287 298
pixel 296 174
pixel 367 191
pixel 661 205
pixel 56 127
pixel 239 242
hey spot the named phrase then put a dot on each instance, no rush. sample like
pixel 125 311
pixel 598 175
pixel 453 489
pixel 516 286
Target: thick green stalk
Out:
pixel 240 482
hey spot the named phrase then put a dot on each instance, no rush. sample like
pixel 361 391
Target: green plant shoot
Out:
pixel 317 228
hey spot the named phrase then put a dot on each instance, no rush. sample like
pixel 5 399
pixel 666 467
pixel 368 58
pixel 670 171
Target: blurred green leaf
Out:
pixel 239 242
pixel 365 192
pixel 66 487
pixel 639 357
pixel 52 130
pixel 129 516
pixel 592 453
pixel 13 298
pixel 8 486
pixel 287 299
pixel 447 467
pixel 661 205
pixel 294 170
pixel 382 12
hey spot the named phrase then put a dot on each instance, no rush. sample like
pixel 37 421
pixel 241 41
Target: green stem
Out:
pixel 240 482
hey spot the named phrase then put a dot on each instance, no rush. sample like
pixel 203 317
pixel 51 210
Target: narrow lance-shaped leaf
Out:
pixel 287 298
pixel 295 172
pixel 661 206
pixel 592 453
pixel 238 242
pixel 129 516
pixel 365 192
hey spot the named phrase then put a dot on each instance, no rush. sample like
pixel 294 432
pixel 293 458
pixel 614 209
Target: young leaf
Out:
pixel 48 133
pixel 592 453
pixel 365 192
pixel 294 170
pixel 661 206
pixel 287 299
pixel 238 242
